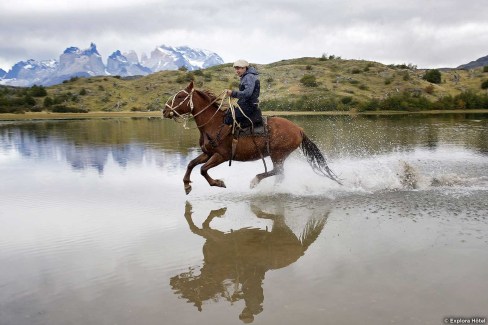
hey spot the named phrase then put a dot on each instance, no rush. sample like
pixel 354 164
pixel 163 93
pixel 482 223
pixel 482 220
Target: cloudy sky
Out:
pixel 427 33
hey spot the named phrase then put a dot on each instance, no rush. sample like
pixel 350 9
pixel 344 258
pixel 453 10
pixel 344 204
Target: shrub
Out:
pixel 429 89
pixel 207 77
pixel 346 100
pixel 185 78
pixel 485 68
pixel 38 91
pixel 48 102
pixel 484 84
pixel 433 76
pixel 309 80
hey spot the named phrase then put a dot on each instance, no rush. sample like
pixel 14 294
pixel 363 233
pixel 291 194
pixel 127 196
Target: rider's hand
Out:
pixel 228 92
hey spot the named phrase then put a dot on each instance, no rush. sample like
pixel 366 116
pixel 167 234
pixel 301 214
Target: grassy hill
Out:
pixel 292 85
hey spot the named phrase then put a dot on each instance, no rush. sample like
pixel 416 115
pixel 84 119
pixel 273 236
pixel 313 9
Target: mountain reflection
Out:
pixel 235 262
pixel 93 144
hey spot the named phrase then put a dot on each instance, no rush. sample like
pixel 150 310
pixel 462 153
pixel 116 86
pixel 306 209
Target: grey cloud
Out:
pixel 421 32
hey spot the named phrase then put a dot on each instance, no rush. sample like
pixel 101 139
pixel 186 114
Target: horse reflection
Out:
pixel 235 263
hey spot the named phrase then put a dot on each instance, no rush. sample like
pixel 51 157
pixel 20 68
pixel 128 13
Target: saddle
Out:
pixel 252 131
pixel 260 130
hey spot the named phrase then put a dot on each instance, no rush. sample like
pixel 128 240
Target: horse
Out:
pixel 283 137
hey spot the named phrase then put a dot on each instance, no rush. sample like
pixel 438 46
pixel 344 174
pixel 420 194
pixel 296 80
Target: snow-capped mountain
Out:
pixel 171 58
pixel 125 65
pixel 74 62
pixel 78 62
pixel 2 73
pixel 30 72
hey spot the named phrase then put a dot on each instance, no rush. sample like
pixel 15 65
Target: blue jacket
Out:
pixel 249 89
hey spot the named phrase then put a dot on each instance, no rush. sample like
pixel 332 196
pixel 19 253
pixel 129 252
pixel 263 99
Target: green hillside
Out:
pixel 305 84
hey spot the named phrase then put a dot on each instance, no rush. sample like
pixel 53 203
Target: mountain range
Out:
pixel 76 62
pixel 481 62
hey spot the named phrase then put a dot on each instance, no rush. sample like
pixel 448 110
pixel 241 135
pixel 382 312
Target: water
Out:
pixel 96 228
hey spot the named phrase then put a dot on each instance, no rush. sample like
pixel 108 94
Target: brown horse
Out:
pixel 216 139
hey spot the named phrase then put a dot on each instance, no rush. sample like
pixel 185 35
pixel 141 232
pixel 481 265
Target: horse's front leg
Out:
pixel 215 160
pixel 202 158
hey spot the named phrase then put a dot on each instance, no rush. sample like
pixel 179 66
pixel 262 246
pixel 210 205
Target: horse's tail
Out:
pixel 312 230
pixel 316 159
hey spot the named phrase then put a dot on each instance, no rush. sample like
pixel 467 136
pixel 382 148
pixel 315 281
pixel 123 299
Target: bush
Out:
pixel 207 77
pixel 484 84
pixel 433 76
pixel 309 81
pixel 189 76
pixel 48 102
pixel 429 89
pixel 323 57
pixel 398 102
pixel 485 68
pixel 38 91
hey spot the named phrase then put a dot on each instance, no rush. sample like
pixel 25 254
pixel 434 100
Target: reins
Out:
pixel 232 107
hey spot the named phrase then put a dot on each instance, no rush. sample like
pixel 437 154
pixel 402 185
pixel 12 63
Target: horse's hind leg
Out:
pixel 277 170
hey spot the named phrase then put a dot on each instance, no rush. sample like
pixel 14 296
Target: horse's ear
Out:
pixel 190 86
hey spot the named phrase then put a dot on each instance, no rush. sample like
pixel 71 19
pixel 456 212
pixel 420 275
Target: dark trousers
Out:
pixel 251 111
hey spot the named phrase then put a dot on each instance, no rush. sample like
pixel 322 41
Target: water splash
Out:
pixel 415 170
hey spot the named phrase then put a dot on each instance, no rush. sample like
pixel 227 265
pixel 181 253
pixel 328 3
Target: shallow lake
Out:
pixel 95 226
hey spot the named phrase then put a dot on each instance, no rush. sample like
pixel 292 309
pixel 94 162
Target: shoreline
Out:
pixel 91 115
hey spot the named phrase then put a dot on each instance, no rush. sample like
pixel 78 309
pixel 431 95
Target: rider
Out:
pixel 248 96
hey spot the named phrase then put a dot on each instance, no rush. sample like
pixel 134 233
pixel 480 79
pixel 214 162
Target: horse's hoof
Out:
pixel 220 183
pixel 187 188
pixel 254 182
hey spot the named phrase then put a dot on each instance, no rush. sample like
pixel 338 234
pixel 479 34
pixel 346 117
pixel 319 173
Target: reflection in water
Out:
pixel 91 144
pixel 235 263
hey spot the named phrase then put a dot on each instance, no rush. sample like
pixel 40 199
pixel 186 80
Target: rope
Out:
pixel 186 116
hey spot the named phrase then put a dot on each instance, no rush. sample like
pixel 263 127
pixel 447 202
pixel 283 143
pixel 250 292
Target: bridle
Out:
pixel 170 103
pixel 172 107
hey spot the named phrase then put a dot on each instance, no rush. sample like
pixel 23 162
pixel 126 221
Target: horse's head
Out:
pixel 180 104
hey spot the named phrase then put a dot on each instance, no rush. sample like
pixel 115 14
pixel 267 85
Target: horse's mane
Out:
pixel 211 97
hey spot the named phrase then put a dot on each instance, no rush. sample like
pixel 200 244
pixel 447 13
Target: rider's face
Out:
pixel 240 70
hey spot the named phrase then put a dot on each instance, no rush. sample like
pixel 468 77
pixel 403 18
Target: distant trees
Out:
pixel 433 76
pixel 16 100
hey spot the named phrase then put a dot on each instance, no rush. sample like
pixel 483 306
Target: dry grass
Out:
pixel 357 79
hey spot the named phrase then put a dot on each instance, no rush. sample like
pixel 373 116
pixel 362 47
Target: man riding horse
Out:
pixel 247 113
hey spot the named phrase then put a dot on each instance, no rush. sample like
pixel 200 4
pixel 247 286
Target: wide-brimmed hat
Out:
pixel 241 63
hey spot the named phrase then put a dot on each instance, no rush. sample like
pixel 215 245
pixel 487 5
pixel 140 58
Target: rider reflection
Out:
pixel 235 263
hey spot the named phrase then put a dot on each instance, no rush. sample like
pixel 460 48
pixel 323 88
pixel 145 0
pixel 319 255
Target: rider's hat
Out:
pixel 241 63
